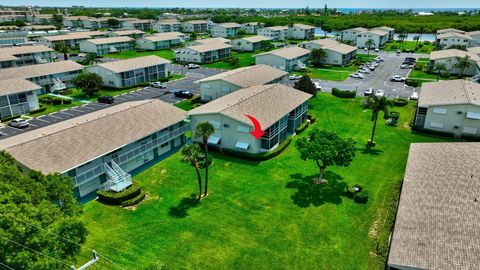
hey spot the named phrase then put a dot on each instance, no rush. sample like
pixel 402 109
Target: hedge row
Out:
pixel 39 110
pixel 134 201
pixel 117 198
pixel 302 127
pixel 260 156
pixel 412 82
pixel 8 118
pixel 343 93
pixel 400 102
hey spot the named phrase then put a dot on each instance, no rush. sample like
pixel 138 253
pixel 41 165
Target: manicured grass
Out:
pixel 55 108
pixel 167 54
pixel 246 59
pixel 263 215
pixel 409 45
pixel 77 93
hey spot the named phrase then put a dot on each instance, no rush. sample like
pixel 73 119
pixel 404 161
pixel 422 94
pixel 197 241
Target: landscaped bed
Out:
pixel 264 215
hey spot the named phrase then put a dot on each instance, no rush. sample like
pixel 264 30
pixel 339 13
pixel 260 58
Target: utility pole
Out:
pixel 92 261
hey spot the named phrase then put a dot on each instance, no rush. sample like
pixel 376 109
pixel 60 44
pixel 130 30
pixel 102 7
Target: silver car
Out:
pixel 19 123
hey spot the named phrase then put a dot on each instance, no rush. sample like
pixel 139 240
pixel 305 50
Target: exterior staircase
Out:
pixel 118 179
pixel 40 60
pixel 58 85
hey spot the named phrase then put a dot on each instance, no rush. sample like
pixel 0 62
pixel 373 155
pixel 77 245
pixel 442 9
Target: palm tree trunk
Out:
pixel 199 177
pixel 206 168
pixel 374 127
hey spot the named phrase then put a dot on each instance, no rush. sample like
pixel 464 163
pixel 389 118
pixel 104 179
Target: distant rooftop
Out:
pixel 248 76
pixel 133 63
pixel 449 93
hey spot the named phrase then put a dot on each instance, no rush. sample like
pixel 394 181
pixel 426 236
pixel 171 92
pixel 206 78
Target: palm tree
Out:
pixel 192 154
pixel 402 38
pixel 62 48
pixel 462 64
pixel 204 130
pixel 376 105
pixel 369 44
pixel 439 68
pixel 318 55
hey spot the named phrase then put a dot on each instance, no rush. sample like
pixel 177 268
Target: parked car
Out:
pixel 407 66
pixel 317 86
pixel 183 94
pixel 82 55
pixel 409 58
pixel 414 96
pixel 380 58
pixel 397 78
pixel 280 45
pixel 365 71
pixel 295 77
pixel 19 123
pixel 372 67
pixel 377 50
pixel 106 99
pixel 379 93
pixel 398 52
pixel 368 92
pixel 357 76
pixel 158 85
pixel 193 66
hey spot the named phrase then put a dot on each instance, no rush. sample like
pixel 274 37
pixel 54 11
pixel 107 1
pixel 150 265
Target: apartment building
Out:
pixel 286 59
pixel 130 72
pixel 276 33
pixel 99 150
pixel 451 57
pixel 101 46
pixel 206 41
pixel 134 33
pixel 143 25
pixel 225 30
pixel 25 55
pixel 378 38
pixel 448 40
pixel 17 97
pixel 301 31
pixel 203 53
pixel 252 27
pixel 450 107
pixel 164 26
pixel 159 41
pixel 249 44
pixel 197 26
pixel 74 21
pixel 352 34
pixel 8 37
pixel 217 86
pixel 389 30
pixel 279 109
pixel 71 39
pixel 336 53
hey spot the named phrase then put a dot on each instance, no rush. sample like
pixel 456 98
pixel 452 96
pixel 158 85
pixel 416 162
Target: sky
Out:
pixel 256 3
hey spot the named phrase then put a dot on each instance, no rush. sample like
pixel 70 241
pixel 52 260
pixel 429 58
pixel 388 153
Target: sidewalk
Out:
pixel 67 97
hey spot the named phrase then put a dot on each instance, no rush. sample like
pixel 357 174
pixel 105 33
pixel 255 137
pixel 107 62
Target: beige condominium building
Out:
pixel 227 82
pixel 17 97
pixel 351 34
pixel 336 53
pixel 25 55
pixel 102 149
pixel 249 44
pixel 378 38
pixel 252 27
pixel 451 57
pixel 301 31
pixel 279 109
pixel 437 225
pixel 203 53
pixel 197 26
pixel 130 72
pixel 450 107
pixel 72 39
pixel 133 33
pixel 160 41
pixel 287 59
pixel 143 25
pixel 225 30
pixel 164 26
pixel 276 33
pixel 450 39
pixel 101 46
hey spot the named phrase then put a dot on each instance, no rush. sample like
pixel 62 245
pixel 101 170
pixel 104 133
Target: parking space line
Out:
pixel 41 120
pixel 53 116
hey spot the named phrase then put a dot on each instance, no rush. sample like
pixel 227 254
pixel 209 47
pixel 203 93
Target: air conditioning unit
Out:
pixel 226 125
pixel 459 112
pixel 456 127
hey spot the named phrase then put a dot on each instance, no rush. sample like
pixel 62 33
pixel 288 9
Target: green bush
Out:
pixel 46 99
pixel 420 45
pixel 311 118
pixel 56 101
pixel 66 92
pixel 412 82
pixel 117 198
pixel 67 101
pixel 343 93
pixel 418 67
pixel 260 156
pixel 426 42
pixel 361 196
pixel 351 191
pixel 134 201
pixel 400 102
pixel 393 47
pixel 302 127
pixel 39 110
pixel 444 75
pixel 8 118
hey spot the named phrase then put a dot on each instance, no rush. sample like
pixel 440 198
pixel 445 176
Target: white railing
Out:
pixel 58 85
pixel 40 60
pixel 88 175
pixel 118 179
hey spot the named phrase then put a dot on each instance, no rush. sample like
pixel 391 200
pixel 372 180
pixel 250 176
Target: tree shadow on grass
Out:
pixel 371 151
pixel 181 210
pixel 308 193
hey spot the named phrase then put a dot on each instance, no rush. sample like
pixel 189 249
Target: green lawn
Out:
pixel 167 54
pixel 263 215
pixel 409 45
pixel 77 93
pixel 55 108
pixel 246 59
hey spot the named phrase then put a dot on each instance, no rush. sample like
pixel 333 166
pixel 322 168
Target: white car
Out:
pixel 82 55
pixel 365 71
pixel 379 93
pixel 414 96
pixel 405 66
pixel 368 92
pixel 19 123
pixel 397 78
pixel 377 50
pixel 357 76
pixel 193 66
pixel 317 86
pixel 379 58
pixel 295 77
pixel 158 85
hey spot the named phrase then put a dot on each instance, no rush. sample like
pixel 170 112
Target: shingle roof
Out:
pixel 212 40
pixel 7 57
pixel 248 76
pixel 449 93
pixel 475 50
pixel 473 33
pixel 449 30
pixel 376 32
pixel 384 28
pixel 16 85
pixel 333 45
pixel 453 53
pixel 74 35
pixel 169 22
pixel 209 47
pixel 196 22
pixel 288 53
pixel 70 143
pixel 163 36
pixel 453 34
pixel 303 26
pixel 39 70
pixel 229 25
pixel 25 49
pixel 127 32
pixel 39 27
pixel 358 29
pixel 277 28
pixel 268 103
pixel 255 38
pixel 438 218
pixel 133 63
pixel 109 40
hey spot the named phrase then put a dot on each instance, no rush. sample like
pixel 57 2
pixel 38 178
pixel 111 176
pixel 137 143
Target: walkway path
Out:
pixel 67 97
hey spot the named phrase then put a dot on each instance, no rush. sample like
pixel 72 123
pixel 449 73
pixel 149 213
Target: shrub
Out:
pixel 420 45
pixel 418 67
pixel 260 156
pixel 400 102
pixel 426 42
pixel 412 82
pixel 41 109
pixel 445 75
pixel 134 201
pixel 302 127
pixel 361 196
pixel 117 198
pixel 46 99
pixel 351 191
pixel 56 101
pixel 163 79
pixel 393 47
pixel 8 118
pixel 66 92
pixel 67 101
pixel 311 118
pixel 343 93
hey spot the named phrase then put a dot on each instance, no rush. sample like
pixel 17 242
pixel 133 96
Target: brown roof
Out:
pixel 228 25
pixel 304 26
pixel 6 57
pixel 25 49
pixel 333 45
pixel 453 53
pixel 268 103
pixel 209 47
pixel 475 50
pixel 288 53
pixel 212 40
pixel 255 38
pixel 109 40
pixel 127 32
pixel 39 70
pixel 453 34
pixel 277 28
pixel 438 218
pixel 73 35
pixel 16 85
pixel 358 29
pixel 163 36
pixel 70 143
pixel 133 63
pixel 248 76
pixel 384 28
pixel 196 22
pixel 376 32
pixel 449 93
pixel 450 30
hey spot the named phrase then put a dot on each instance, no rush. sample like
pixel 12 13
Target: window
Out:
pixel 469 130
pixel 473 115
pixel 244 129
pixel 206 85
pixel 226 89
pixel 439 110
pixel 215 124
pixel 436 125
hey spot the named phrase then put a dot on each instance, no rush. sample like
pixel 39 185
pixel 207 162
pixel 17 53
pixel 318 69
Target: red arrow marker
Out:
pixel 258 132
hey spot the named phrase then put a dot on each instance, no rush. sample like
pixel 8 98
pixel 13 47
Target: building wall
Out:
pixel 333 57
pixel 245 45
pixel 275 35
pixel 300 33
pixel 454 41
pixel 166 27
pixel 251 28
pixel 18 104
pixel 100 49
pixel 220 31
pixel 350 35
pixel 279 62
pixel 189 27
pixel 188 55
pixel 450 118
pixel 146 44
pixel 130 78
pixel 215 89
pixel 379 41
pixel 450 64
